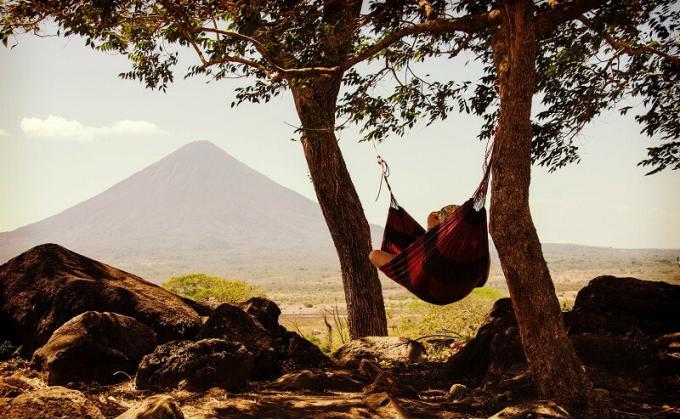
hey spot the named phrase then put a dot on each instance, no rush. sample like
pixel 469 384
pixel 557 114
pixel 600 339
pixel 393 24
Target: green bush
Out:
pixel 202 287
pixel 459 320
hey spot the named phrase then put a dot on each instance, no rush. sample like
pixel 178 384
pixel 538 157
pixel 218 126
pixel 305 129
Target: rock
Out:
pixel 51 402
pixel 266 312
pixel 624 306
pixel 299 353
pixel 381 349
pixel 92 346
pixel 458 391
pixel 370 369
pixel 506 361
pixel 533 410
pixel 232 324
pixel 668 351
pixel 160 406
pixel 615 354
pixel 11 387
pixel 46 286
pixel 318 381
pixel 473 360
pixel 198 365
pixel 203 309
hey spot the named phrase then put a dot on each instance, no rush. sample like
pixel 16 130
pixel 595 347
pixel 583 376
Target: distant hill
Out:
pixel 199 209
pixel 196 209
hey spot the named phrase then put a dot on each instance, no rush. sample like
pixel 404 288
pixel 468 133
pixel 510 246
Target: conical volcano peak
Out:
pixel 200 146
pixel 196 209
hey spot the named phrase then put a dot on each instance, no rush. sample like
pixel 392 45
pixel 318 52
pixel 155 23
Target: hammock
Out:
pixel 444 264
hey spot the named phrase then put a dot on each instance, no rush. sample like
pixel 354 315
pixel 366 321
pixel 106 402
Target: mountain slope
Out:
pixel 195 208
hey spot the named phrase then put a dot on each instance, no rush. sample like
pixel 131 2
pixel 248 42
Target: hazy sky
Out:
pixel 70 128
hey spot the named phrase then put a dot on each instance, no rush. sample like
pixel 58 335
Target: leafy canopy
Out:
pixel 622 55
pixel 594 56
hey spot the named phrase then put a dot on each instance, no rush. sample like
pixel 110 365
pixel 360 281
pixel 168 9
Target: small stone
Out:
pixel 457 391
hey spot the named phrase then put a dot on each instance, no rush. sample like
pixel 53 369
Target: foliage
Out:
pixel 458 321
pixel 202 287
pixel 620 55
pixel 7 349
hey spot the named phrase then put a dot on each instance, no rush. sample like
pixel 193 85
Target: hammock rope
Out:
pixel 446 263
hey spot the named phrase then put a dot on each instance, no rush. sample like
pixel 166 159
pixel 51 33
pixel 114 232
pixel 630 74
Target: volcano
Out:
pixel 197 209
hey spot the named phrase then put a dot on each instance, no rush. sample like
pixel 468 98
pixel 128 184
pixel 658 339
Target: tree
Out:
pixel 267 41
pixel 583 57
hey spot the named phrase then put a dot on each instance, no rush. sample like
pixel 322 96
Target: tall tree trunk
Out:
pixel 550 354
pixel 315 101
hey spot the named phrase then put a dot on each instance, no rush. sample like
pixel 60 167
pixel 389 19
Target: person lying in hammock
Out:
pixel 379 258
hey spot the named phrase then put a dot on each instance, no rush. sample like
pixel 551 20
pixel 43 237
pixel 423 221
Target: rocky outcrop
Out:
pixel 92 347
pixel 196 366
pixel 232 324
pixel 50 402
pixel 160 406
pixel 626 306
pixel 43 288
pixel 391 349
pixel 623 331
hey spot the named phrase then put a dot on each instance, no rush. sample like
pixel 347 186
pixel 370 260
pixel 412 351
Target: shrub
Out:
pixel 202 287
pixel 459 320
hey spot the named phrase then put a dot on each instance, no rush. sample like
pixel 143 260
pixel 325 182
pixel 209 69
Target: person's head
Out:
pixel 445 212
pixel 437 217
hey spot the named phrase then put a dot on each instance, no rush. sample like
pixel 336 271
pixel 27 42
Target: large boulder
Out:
pixel 196 366
pixel 49 403
pixel 160 406
pixel 48 285
pixel 390 349
pixel 92 346
pixel 232 324
pixel 626 307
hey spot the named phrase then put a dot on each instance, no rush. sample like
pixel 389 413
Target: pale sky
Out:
pixel 70 128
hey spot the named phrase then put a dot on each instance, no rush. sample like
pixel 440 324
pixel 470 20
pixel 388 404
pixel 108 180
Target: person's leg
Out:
pixel 380 258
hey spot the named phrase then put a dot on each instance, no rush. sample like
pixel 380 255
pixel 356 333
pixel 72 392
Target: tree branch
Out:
pixel 547 21
pixel 257 44
pixel 629 49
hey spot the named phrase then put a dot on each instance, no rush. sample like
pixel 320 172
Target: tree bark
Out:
pixel 554 365
pixel 315 101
